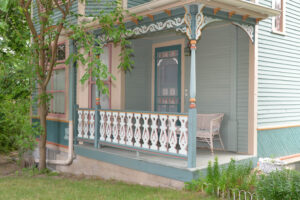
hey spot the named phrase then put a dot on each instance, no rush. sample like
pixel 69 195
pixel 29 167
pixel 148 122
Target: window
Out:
pixel 104 98
pixel 279 21
pixel 57 84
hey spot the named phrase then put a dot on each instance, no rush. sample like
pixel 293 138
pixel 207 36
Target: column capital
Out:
pixel 194 20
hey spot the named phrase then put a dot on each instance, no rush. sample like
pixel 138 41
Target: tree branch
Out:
pixel 59 7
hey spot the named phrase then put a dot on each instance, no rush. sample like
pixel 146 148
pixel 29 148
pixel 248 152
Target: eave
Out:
pixel 239 7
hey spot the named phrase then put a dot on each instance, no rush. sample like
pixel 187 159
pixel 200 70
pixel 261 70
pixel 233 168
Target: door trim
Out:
pixel 182 77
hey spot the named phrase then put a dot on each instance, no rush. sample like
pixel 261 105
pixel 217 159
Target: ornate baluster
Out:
pixel 172 133
pixel 115 127
pixel 122 128
pixel 108 127
pixel 137 133
pixel 129 131
pixel 146 135
pixel 92 124
pixel 154 134
pixel 86 124
pixel 163 139
pixel 183 140
pixel 80 123
pixel 102 126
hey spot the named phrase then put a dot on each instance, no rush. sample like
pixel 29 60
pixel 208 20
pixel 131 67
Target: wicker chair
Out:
pixel 208 126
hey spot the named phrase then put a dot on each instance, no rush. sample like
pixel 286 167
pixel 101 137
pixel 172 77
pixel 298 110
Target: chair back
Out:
pixel 203 120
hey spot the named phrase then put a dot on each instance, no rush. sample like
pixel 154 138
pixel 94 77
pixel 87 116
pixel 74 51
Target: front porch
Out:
pixel 155 122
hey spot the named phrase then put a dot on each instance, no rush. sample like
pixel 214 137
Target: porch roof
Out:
pixel 239 7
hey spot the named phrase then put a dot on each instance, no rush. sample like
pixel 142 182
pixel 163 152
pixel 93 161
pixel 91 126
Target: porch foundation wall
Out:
pixel 90 167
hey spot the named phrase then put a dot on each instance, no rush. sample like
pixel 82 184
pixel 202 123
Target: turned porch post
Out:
pixel 97 117
pixel 193 19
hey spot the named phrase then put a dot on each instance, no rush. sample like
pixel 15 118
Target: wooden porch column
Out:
pixel 97 118
pixel 193 19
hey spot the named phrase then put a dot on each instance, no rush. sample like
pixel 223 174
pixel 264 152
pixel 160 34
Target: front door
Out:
pixel 167 79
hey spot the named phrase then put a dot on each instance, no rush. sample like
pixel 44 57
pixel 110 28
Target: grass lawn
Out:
pixel 61 188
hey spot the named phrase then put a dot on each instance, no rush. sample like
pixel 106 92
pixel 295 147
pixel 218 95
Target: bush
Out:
pixel 280 185
pixel 16 130
pixel 234 176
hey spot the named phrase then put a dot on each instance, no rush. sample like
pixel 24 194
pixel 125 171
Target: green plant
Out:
pixel 280 185
pixel 234 176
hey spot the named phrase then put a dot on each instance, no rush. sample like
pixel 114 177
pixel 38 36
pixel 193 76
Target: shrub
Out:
pixel 234 176
pixel 280 185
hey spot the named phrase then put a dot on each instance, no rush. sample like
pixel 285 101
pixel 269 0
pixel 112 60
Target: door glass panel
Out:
pixel 167 81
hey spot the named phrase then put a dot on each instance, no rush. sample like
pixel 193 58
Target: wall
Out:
pixel 279 85
pixel 56 131
pixel 222 81
pixel 279 70
pixel 132 3
pixel 56 15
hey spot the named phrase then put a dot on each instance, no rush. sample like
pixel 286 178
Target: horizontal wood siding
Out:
pixel 132 3
pixel 93 7
pixel 242 89
pixel 222 81
pixel 138 81
pixel 56 15
pixel 279 70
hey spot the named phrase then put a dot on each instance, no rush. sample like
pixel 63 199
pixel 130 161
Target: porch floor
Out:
pixel 203 157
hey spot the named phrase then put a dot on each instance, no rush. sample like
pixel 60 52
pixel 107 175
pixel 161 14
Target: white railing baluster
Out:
pixel 108 127
pixel 80 123
pixel 154 134
pixel 122 128
pixel 86 124
pixel 140 131
pixel 92 124
pixel 137 133
pixel 129 131
pixel 172 133
pixel 183 139
pixel 115 127
pixel 163 133
pixel 146 135
pixel 102 126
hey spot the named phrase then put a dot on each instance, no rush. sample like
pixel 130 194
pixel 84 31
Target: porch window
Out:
pixel 104 98
pixel 279 21
pixel 56 85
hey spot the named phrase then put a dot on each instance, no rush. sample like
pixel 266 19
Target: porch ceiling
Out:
pixel 239 7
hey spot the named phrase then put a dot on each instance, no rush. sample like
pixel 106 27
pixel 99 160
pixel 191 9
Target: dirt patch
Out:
pixel 8 165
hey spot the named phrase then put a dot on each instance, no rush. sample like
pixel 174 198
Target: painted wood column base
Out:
pixel 192 148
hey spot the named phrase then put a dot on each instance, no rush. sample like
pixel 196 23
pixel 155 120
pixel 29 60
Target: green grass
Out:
pixel 62 188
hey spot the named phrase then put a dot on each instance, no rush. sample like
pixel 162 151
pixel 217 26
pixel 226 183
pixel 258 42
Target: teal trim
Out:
pixel 169 48
pixel 140 149
pixel 56 131
pixel 278 142
pixel 140 165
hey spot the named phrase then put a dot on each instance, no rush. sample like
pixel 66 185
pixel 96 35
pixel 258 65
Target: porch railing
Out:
pixel 161 133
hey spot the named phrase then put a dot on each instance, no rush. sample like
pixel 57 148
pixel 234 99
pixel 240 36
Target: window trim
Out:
pixel 60 65
pixel 58 115
pixel 107 82
pixel 283 32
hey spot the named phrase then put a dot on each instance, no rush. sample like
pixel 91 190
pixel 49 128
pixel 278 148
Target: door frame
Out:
pixel 182 76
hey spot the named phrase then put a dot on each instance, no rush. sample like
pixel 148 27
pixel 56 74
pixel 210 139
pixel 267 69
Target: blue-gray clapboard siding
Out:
pixel 279 70
pixel 138 81
pixel 56 15
pixel 132 3
pixel 93 7
pixel 222 51
pixel 222 81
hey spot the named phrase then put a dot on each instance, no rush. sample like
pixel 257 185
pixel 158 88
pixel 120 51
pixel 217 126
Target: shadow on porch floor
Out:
pixel 203 157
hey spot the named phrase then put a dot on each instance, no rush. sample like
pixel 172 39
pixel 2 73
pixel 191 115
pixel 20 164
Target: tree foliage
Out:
pixel 46 31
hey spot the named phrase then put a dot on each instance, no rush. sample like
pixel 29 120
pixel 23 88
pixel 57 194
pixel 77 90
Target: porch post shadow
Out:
pixel 193 19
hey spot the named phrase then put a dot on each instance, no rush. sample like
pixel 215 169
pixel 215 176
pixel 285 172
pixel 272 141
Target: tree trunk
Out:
pixel 43 136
